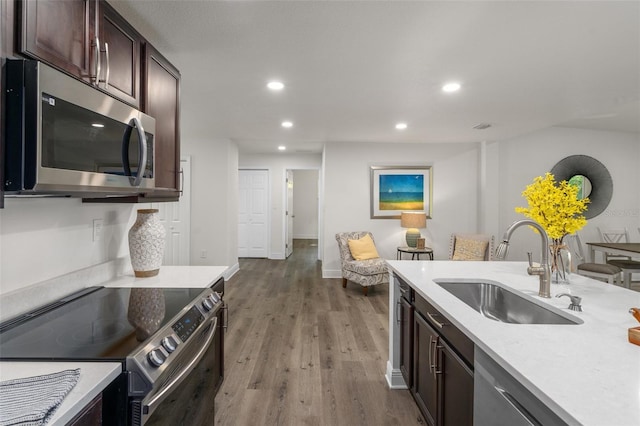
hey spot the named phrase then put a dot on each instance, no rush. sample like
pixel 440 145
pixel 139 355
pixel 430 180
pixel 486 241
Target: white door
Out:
pixel 253 199
pixel 289 215
pixel 176 220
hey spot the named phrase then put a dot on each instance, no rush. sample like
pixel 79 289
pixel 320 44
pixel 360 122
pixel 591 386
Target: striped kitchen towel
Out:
pixel 31 401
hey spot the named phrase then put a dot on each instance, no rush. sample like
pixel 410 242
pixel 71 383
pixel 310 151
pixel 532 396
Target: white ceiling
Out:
pixel 353 69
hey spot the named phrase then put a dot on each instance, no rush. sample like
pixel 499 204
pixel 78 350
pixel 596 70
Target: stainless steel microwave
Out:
pixel 64 137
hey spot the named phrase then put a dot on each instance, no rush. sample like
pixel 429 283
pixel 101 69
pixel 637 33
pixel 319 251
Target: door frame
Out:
pixel 320 203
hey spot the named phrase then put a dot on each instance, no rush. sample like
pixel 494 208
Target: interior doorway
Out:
pixel 302 206
pixel 253 213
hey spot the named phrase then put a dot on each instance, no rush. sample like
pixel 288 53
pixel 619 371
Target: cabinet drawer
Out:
pixel 456 338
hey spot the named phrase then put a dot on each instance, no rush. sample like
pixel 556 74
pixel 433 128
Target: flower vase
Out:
pixel 146 243
pixel 560 263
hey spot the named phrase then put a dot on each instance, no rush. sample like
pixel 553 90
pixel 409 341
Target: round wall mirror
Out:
pixel 591 177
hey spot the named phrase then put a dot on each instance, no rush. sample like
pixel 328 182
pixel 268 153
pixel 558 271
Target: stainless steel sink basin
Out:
pixel 502 304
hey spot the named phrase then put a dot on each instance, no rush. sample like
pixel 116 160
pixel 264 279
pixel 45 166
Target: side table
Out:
pixel 415 252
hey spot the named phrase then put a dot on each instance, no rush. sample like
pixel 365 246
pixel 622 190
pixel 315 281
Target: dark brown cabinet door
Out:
pixel 406 341
pixel 426 379
pixel 120 56
pixel 456 408
pixel 61 33
pixel 162 102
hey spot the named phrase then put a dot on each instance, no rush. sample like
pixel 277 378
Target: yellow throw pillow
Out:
pixel 469 249
pixel 363 249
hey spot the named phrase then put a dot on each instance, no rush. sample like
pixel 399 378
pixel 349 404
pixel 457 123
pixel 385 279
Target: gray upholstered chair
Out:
pixel 601 271
pixel 471 247
pixel 368 272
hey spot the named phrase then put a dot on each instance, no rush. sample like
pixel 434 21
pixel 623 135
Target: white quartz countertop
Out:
pixel 172 277
pixel 587 373
pixel 94 377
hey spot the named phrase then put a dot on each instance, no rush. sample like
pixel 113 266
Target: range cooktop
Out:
pixel 95 324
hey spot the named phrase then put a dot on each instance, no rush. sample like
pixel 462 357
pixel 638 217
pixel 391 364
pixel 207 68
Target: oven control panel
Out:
pixel 177 337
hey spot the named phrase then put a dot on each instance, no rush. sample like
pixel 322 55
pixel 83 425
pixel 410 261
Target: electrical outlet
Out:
pixel 203 254
pixel 97 229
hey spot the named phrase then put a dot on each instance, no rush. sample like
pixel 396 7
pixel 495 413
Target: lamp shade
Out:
pixel 413 219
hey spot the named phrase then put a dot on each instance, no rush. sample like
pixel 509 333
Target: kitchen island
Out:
pixel 586 373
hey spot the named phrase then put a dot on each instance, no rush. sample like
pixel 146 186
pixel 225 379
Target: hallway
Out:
pixel 301 350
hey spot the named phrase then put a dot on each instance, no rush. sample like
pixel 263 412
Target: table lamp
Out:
pixel 413 221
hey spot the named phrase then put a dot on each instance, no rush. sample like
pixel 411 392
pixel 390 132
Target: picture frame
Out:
pixel 395 189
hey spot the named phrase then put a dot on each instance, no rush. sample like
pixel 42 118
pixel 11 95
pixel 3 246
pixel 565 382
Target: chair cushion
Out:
pixel 366 267
pixel 363 249
pixel 624 263
pixel 466 249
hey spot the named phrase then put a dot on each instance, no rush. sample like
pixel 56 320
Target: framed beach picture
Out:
pixel 400 188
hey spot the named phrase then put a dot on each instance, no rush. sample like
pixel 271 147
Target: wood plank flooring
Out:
pixel 301 350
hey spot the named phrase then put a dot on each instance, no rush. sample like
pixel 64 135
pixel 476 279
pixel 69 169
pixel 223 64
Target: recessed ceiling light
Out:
pixel 287 124
pixel 451 87
pixel 282 148
pixel 401 126
pixel 275 85
pixel 98 125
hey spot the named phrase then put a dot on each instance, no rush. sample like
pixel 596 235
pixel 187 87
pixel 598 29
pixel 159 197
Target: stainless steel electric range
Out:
pixel 169 341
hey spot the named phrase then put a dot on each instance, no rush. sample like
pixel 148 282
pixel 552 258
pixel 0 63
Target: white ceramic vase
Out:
pixel 146 243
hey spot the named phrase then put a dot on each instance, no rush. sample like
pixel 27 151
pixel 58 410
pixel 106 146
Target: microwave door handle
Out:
pixel 142 151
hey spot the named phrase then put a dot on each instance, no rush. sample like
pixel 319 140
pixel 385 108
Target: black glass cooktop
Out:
pixel 101 324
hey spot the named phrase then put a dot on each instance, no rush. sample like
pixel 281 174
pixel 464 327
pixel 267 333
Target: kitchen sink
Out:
pixel 499 303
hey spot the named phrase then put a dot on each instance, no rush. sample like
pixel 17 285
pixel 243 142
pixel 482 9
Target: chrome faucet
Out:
pixel 544 270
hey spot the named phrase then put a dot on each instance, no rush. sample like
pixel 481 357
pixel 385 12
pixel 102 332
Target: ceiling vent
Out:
pixel 482 126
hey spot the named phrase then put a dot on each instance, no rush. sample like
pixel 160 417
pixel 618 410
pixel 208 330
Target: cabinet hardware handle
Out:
pixel 433 342
pixel 437 369
pixel 431 317
pixel 226 316
pixel 181 173
pixel 97 62
pixel 398 312
pixel 106 77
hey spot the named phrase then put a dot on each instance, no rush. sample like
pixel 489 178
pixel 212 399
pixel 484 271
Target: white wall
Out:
pixel 277 166
pixel 42 238
pixel 523 158
pixel 347 194
pixel 214 201
pixel 305 204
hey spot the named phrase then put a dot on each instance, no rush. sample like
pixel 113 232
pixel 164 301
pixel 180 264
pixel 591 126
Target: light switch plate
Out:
pixel 97 229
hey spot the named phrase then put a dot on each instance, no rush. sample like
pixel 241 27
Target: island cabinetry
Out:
pixel 405 318
pixel 442 368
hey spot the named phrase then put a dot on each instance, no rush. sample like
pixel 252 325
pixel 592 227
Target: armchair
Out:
pixel 367 272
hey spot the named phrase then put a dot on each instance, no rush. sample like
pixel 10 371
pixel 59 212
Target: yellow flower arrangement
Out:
pixel 555 206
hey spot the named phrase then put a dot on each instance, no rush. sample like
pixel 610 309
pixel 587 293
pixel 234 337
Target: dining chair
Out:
pixel 628 265
pixel 471 247
pixel 601 271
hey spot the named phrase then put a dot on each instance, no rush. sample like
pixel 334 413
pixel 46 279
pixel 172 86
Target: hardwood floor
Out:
pixel 301 350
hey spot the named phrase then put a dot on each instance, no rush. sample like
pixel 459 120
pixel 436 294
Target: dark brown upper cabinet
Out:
pixel 61 33
pixel 161 100
pixel 120 56
pixel 87 39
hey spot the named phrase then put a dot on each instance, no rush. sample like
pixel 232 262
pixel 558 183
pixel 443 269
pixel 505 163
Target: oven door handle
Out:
pixel 166 390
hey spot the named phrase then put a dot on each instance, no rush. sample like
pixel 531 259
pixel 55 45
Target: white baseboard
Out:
pixel 331 273
pixel 305 237
pixel 277 256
